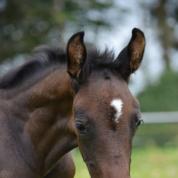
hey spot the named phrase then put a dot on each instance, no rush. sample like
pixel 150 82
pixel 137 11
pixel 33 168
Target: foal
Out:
pixel 106 114
pixel 39 109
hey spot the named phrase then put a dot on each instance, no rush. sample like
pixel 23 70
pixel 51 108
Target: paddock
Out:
pixel 154 153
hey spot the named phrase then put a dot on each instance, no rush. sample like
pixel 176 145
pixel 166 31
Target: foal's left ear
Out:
pixel 76 54
pixel 131 56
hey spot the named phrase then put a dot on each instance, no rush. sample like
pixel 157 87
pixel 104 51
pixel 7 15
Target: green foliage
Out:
pixel 147 162
pixel 162 96
pixel 25 24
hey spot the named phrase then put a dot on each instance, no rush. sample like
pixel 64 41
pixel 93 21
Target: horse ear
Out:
pixel 131 56
pixel 76 54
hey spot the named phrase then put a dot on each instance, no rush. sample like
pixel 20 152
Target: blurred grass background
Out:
pixel 154 155
pixel 154 162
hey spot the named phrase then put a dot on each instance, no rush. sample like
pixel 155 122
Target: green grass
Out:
pixel 152 162
pixel 160 135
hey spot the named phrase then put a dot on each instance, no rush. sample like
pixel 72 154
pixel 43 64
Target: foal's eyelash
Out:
pixel 139 119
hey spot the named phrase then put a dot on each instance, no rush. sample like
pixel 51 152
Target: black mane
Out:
pixel 98 59
pixel 42 57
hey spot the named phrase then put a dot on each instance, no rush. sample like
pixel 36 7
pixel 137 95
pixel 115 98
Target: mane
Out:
pixel 42 57
pixel 97 60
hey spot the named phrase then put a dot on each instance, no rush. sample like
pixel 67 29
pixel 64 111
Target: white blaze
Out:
pixel 117 104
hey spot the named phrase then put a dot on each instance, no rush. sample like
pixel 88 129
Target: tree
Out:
pixel 25 24
pixel 164 17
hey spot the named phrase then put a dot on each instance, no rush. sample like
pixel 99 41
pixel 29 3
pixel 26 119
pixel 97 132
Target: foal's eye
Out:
pixel 81 121
pixel 81 127
pixel 138 121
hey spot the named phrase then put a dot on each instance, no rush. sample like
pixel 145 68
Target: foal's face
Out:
pixel 106 114
pixel 106 117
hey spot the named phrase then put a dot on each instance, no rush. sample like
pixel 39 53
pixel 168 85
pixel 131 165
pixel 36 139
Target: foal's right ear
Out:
pixel 131 56
pixel 76 54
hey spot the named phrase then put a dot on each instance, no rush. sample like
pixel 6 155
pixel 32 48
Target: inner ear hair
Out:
pixel 76 54
pixel 136 48
pixel 130 57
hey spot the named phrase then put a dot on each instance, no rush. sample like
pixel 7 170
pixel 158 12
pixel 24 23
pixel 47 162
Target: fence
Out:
pixel 160 117
pixel 159 128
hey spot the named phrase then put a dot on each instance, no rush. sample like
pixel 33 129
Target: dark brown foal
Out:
pixel 41 105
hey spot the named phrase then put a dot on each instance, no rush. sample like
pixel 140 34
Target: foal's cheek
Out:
pixel 87 145
pixel 85 151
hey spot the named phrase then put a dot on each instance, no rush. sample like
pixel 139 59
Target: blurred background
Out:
pixel 26 24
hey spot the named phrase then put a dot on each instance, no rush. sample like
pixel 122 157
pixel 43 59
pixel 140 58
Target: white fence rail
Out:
pixel 160 117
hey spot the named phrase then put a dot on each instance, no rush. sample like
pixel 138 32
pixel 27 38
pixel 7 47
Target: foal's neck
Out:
pixel 49 124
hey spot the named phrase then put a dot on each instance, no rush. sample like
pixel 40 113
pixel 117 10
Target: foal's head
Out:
pixel 106 113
